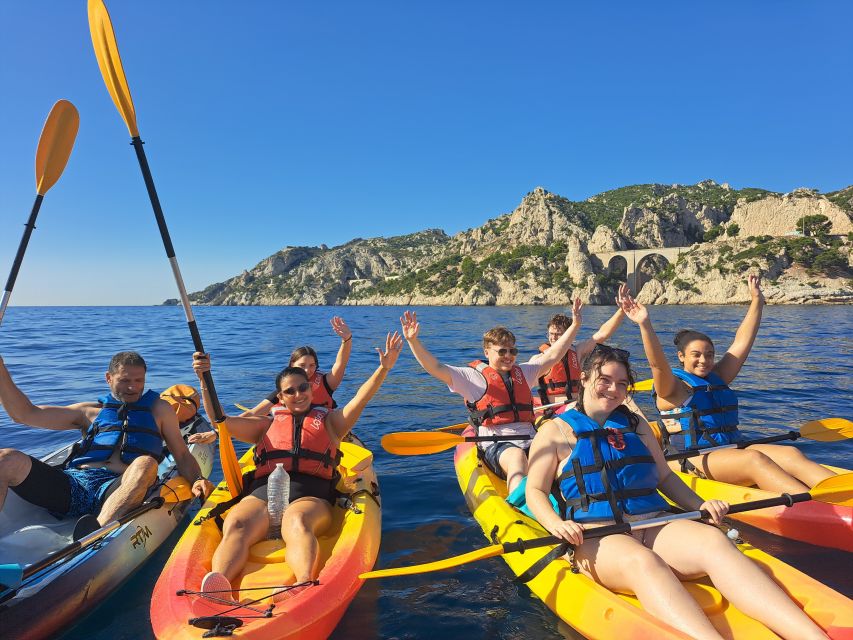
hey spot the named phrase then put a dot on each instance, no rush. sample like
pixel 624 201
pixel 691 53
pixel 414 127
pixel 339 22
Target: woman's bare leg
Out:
pixel 693 549
pixel 246 523
pixel 748 467
pixel 622 563
pixel 795 463
pixel 303 521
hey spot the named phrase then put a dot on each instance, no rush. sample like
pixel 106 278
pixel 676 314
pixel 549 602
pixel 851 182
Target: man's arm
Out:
pixel 22 410
pixel 411 328
pixel 186 462
pixel 561 346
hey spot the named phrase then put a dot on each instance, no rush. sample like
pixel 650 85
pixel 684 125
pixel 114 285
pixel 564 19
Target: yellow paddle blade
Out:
pixel 438 565
pixel 241 407
pixel 177 490
pixel 418 443
pixel 454 427
pixel 835 490
pixel 228 460
pixel 55 144
pixel 109 61
pixel 643 385
pixel 355 458
pixel 828 430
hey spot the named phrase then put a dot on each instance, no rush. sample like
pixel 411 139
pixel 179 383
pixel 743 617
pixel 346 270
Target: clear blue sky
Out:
pixel 298 123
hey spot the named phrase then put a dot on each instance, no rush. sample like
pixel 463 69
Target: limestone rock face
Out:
pixel 540 253
pixel 675 222
pixel 605 239
pixel 777 216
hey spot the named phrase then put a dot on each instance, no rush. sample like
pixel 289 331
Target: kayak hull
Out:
pixel 53 600
pixel 814 522
pixel 597 612
pixel 348 549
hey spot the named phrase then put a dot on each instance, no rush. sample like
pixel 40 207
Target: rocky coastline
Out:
pixel 549 249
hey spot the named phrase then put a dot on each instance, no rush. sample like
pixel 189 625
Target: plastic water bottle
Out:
pixel 278 497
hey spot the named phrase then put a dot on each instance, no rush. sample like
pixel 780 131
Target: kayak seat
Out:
pixel 267 552
pixel 706 597
pixel 30 544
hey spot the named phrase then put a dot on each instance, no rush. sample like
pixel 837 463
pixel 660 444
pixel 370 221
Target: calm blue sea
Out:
pixel 800 369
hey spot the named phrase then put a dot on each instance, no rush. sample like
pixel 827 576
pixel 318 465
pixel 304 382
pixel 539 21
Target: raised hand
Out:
pixel 623 291
pixel 577 316
pixel 340 327
pixel 754 284
pixel 631 308
pixel 393 347
pixel 410 325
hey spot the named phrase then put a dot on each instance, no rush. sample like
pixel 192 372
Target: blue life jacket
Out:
pixel 129 427
pixel 710 418
pixel 601 481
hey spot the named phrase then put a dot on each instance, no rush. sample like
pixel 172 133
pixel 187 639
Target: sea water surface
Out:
pixel 799 370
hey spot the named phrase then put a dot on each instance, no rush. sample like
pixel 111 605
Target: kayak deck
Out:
pixel 348 548
pixel 597 612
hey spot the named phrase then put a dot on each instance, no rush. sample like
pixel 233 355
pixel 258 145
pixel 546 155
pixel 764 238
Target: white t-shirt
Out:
pixel 471 385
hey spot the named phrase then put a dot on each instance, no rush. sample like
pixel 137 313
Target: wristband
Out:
pixel 347 340
pixel 199 478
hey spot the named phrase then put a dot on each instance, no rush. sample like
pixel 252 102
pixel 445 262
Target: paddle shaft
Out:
pixel 625 527
pixel 682 455
pixel 137 143
pixel 19 258
pixel 89 540
pixel 492 439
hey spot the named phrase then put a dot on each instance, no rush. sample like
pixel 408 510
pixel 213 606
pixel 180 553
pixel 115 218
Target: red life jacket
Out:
pixel 500 403
pixel 563 379
pixel 322 393
pixel 300 443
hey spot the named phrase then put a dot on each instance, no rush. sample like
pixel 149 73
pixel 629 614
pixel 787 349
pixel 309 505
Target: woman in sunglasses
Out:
pixel 304 438
pixel 696 403
pixel 497 392
pixel 608 467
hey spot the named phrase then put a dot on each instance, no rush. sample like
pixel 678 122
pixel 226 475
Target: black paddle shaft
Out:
pixel 137 143
pixel 22 247
pixel 624 527
pixel 681 455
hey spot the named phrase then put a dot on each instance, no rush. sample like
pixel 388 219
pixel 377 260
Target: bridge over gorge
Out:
pixel 634 259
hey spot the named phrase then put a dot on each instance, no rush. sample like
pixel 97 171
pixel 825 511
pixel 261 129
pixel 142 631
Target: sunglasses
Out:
pixel 300 388
pixel 503 351
pixel 619 353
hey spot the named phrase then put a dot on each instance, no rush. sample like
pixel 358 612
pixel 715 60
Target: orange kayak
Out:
pixel 349 548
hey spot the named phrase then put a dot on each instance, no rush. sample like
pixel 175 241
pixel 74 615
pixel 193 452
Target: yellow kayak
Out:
pixel 596 612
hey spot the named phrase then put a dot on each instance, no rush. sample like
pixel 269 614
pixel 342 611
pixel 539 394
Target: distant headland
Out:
pixel 550 249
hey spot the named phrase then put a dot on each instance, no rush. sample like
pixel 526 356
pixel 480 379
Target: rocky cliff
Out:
pixel 545 252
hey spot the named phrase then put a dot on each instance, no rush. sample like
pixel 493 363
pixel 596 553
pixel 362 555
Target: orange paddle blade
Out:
pixel 109 61
pixel 228 460
pixel 417 443
pixel 438 565
pixel 55 144
pixel 827 430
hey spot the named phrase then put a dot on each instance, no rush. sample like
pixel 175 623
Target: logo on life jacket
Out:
pixel 615 438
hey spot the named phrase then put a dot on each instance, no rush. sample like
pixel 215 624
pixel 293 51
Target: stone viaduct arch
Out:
pixel 634 257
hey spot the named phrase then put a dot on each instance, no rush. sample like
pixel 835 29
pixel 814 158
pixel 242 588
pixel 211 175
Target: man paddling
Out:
pixel 113 465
